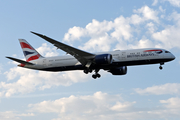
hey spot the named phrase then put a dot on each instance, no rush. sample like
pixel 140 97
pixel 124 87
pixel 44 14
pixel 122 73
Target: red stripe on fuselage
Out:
pixel 33 58
pixel 22 65
pixel 151 50
pixel 25 45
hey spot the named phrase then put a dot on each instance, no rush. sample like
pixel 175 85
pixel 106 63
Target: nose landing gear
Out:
pixel 160 67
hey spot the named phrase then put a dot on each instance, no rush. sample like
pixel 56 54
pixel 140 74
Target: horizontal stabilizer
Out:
pixel 20 61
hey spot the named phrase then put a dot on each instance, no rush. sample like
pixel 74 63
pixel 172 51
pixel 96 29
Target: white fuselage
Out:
pixel 120 58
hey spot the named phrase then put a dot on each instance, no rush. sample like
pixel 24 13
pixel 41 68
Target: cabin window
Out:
pixel 167 52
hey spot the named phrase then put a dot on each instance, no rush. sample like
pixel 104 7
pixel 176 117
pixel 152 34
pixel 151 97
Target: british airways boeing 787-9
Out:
pixel 115 62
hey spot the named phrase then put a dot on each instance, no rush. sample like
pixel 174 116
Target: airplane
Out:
pixel 115 62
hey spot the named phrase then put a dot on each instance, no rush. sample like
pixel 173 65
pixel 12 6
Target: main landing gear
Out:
pixel 96 75
pixel 86 71
pixel 160 67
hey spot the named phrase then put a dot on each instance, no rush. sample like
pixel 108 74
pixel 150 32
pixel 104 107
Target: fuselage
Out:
pixel 120 58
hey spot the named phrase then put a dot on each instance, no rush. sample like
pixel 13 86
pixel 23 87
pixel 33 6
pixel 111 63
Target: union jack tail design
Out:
pixel 29 52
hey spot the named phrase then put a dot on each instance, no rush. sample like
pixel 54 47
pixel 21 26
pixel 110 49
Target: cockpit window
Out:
pixel 167 52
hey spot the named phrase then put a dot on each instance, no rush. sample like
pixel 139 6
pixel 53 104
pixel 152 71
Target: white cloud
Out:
pixel 98 44
pixel 148 13
pixel 155 2
pixel 97 106
pixel 161 9
pixel 96 28
pixel 169 37
pixel 30 80
pixel 172 103
pixel 10 115
pixel 120 31
pixel 74 33
pixel 136 19
pixel 47 51
pixel 168 88
pixel 175 3
pixel 122 106
pixel 103 106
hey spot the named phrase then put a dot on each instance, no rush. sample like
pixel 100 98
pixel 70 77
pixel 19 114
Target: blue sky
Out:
pixel 145 93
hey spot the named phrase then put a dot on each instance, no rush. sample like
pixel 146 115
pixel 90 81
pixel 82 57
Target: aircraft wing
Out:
pixel 83 57
pixel 20 61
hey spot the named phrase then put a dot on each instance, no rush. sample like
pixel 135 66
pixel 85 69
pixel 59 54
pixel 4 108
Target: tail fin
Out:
pixel 29 52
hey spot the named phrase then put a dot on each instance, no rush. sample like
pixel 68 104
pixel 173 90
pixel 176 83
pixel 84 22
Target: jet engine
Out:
pixel 119 71
pixel 103 59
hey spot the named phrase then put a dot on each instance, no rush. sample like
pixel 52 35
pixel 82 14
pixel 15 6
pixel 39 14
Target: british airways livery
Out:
pixel 115 62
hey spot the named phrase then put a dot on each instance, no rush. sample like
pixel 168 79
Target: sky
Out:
pixel 144 93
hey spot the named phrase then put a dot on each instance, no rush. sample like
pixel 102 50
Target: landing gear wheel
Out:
pixel 160 67
pixel 86 71
pixel 98 75
pixel 94 76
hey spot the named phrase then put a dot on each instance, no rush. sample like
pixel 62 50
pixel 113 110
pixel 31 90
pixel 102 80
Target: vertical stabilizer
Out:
pixel 29 52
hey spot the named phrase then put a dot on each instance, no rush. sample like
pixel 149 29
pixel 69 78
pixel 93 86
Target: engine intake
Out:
pixel 103 59
pixel 119 71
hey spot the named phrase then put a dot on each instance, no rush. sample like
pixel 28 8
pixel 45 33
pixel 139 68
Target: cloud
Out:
pixel 148 13
pixel 168 88
pixel 10 115
pixel 155 2
pixel 104 106
pixel 169 36
pixel 47 51
pixel 120 31
pixel 172 103
pixel 74 33
pixel 175 3
pixel 30 80
pixel 97 106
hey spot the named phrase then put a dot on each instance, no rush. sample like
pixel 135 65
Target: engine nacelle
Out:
pixel 119 71
pixel 103 59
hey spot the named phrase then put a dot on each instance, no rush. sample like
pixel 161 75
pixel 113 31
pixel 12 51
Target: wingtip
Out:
pixel 37 34
pixel 33 32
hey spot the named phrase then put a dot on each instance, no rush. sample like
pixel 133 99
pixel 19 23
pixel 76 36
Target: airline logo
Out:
pixel 29 52
pixel 146 53
pixel 155 50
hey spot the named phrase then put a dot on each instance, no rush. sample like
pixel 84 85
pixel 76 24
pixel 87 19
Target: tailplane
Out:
pixel 29 52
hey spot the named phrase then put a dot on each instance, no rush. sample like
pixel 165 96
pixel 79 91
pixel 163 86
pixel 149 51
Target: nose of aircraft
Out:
pixel 172 56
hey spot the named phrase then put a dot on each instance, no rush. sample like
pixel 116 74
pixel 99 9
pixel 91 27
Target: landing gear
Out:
pixel 86 71
pixel 96 75
pixel 160 67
